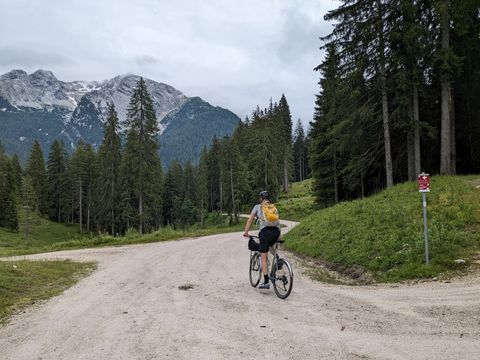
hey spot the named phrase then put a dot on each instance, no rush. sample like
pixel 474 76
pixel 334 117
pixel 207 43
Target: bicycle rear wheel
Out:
pixel 283 279
pixel 255 272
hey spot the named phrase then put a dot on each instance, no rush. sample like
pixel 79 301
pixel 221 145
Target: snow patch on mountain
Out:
pixel 41 90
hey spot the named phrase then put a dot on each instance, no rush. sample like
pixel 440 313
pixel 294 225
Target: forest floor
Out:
pixel 192 299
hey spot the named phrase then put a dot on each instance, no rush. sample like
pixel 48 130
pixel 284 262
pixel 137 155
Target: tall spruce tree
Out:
pixel 363 32
pixel 29 203
pixel 173 194
pixel 141 157
pixel 57 182
pixel 299 152
pixel 108 182
pixel 285 117
pixel 38 175
pixel 10 220
pixel 17 174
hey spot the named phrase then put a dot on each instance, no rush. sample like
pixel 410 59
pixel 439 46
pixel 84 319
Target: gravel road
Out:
pixel 132 308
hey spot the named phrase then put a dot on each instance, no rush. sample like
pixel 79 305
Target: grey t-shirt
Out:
pixel 257 211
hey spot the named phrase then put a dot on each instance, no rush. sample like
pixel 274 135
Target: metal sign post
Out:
pixel 424 187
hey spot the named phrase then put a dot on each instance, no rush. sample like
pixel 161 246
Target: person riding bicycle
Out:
pixel 269 232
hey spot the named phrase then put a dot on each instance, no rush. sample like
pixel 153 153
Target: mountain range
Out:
pixel 39 106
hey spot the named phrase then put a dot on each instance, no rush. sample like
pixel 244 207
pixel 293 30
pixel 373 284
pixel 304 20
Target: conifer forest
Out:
pixel 398 94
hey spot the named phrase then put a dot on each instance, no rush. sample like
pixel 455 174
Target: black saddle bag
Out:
pixel 253 245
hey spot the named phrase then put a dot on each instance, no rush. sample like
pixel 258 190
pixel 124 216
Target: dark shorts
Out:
pixel 268 237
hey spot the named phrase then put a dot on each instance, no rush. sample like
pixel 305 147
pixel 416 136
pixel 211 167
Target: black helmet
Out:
pixel 264 194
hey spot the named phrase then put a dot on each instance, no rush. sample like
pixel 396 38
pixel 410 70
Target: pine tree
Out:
pixel 285 118
pixel 3 185
pixel 173 194
pixel 203 185
pixel 108 181
pixel 29 203
pixel 141 156
pixel 299 152
pixel 37 173
pixel 81 172
pixel 10 200
pixel 363 31
pixel 56 173
pixel 17 174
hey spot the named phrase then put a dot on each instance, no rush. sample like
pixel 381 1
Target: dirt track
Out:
pixel 131 308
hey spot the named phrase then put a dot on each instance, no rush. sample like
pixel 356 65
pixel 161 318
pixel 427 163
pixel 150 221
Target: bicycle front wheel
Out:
pixel 283 279
pixel 255 272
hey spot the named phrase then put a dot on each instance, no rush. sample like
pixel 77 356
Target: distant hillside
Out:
pixel 39 106
pixel 190 126
pixel 383 234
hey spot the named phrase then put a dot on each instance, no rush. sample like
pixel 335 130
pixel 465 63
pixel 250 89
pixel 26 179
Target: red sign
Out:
pixel 424 182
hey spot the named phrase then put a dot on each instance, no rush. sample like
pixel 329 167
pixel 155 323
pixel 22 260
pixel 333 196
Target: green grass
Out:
pixel 50 236
pixel 383 234
pixel 298 203
pixel 133 237
pixel 42 234
pixel 23 283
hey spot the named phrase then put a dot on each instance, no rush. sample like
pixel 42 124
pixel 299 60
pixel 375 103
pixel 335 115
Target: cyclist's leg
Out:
pixel 264 247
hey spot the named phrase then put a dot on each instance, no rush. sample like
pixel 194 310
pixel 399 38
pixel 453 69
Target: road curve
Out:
pixel 132 308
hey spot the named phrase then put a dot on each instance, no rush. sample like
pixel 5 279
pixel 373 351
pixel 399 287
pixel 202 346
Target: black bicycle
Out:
pixel 281 273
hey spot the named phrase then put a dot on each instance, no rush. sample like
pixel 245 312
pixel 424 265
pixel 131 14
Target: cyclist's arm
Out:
pixel 249 223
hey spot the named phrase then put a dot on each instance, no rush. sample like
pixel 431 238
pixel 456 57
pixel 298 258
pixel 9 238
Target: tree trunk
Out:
pixel 59 205
pixel 445 134
pixel 362 184
pixel 453 145
pixel 416 131
pixel 233 192
pixel 221 189
pixel 300 167
pixel 410 155
pixel 27 222
pixel 112 200
pixel 80 205
pixel 140 213
pixel 88 210
pixel 335 180
pixel 385 115
pixel 266 176
pixel 202 215
pixel 285 173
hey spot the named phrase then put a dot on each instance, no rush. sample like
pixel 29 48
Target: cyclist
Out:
pixel 268 234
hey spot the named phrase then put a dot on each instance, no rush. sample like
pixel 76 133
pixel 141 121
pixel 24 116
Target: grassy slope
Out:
pixel 383 234
pixel 163 234
pixel 50 236
pixel 25 282
pixel 42 234
pixel 298 203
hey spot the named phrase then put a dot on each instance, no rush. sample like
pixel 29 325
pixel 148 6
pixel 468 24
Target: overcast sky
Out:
pixel 235 54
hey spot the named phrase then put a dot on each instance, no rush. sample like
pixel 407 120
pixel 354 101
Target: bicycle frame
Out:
pixel 274 251
pixel 273 270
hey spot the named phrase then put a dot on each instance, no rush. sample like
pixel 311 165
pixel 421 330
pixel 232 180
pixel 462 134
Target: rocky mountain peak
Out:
pixel 42 77
pixel 14 74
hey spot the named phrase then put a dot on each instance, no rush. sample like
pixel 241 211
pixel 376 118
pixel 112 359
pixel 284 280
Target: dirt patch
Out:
pixel 334 273
pixel 186 287
pixel 476 183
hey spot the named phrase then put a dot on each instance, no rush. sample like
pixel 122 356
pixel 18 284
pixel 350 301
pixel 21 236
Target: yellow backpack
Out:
pixel 270 216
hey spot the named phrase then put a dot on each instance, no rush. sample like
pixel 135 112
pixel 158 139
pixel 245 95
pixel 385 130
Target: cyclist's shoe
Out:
pixel 264 286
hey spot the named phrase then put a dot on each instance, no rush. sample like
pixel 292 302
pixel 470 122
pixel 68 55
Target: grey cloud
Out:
pixel 235 54
pixel 143 60
pixel 31 58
